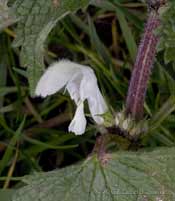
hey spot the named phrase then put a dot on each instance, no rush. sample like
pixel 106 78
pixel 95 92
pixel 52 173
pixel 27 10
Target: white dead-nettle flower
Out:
pixel 81 83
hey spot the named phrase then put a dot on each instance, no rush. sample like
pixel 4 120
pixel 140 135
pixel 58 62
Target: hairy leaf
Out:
pixel 122 176
pixel 7 16
pixel 37 18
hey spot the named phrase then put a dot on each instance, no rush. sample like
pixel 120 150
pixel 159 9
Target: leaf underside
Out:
pixel 121 176
pixel 37 19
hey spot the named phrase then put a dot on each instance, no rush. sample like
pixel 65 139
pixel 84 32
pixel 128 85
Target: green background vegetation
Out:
pixel 105 36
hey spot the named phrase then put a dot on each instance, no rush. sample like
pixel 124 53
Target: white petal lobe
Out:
pixel 55 78
pixel 73 87
pixel 78 123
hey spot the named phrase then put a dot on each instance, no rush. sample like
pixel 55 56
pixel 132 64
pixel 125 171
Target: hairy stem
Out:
pixel 142 68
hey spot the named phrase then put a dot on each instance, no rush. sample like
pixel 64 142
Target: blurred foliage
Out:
pixel 167 32
pixel 105 36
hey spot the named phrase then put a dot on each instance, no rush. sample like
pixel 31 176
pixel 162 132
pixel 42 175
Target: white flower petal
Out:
pixel 73 87
pixel 89 90
pixel 97 107
pixel 97 103
pixel 78 123
pixel 56 77
pixel 81 83
pixel 88 83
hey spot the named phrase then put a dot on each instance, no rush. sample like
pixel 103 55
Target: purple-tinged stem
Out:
pixel 142 68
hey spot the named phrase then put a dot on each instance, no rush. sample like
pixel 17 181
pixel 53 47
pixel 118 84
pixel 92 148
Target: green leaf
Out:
pixel 121 176
pixel 37 19
pixel 7 16
pixel 48 146
pixel 167 32
pixel 3 67
pixel 6 195
pixel 9 151
pixel 127 34
pixel 122 14
pixel 169 54
pixel 97 43
pixel 167 108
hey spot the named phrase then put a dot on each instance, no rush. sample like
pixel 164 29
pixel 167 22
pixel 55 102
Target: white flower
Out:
pixel 81 83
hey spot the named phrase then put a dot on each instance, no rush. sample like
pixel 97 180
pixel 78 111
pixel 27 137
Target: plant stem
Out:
pixel 142 68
